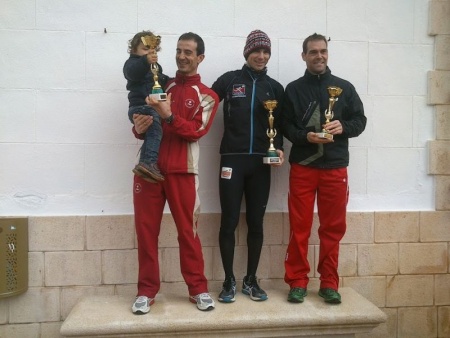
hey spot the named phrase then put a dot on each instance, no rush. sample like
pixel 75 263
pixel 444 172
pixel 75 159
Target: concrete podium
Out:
pixel 173 315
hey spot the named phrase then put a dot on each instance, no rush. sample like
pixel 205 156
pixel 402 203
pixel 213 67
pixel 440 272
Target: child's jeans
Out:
pixel 150 147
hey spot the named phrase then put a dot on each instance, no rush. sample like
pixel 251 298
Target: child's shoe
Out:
pixel 137 172
pixel 150 170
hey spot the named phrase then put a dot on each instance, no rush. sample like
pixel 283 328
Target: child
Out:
pixel 140 81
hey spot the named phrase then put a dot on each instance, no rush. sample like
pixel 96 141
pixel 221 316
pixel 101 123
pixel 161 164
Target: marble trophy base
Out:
pixel 271 160
pixel 325 135
pixel 159 96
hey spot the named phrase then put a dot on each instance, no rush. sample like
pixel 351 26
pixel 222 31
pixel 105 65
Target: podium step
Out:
pixel 173 315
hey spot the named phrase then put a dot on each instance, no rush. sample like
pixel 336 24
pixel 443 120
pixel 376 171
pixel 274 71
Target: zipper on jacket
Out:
pixel 309 112
pixel 320 85
pixel 252 108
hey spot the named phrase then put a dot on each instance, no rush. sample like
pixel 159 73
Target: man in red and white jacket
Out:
pixel 187 114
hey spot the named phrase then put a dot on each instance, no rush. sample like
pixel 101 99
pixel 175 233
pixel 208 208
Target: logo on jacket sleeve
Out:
pixel 238 90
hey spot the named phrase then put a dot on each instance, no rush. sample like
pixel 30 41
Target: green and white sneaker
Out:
pixel 297 295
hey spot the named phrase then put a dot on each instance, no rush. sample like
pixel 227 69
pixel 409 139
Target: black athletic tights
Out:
pixel 242 175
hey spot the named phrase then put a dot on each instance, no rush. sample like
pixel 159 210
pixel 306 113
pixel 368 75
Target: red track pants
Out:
pixel 180 191
pixel 331 188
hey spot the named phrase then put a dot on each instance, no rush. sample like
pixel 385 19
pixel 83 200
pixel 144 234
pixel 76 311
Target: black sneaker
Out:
pixel 297 295
pixel 228 290
pixel 330 295
pixel 251 288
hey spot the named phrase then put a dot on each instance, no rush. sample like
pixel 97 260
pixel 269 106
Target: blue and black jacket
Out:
pixel 245 118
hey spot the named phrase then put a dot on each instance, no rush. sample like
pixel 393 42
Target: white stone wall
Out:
pixel 65 142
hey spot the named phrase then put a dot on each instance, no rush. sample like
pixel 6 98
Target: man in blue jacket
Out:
pixel 243 147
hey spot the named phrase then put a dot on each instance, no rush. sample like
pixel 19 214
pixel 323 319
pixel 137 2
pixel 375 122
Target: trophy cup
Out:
pixel 152 42
pixel 271 156
pixel 334 92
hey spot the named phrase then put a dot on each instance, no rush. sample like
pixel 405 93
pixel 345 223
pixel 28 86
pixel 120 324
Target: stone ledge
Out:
pixel 173 315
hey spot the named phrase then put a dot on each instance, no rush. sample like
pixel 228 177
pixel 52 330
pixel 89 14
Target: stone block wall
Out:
pixel 400 261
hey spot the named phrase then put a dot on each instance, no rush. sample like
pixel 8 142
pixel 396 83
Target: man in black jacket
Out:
pixel 243 147
pixel 319 158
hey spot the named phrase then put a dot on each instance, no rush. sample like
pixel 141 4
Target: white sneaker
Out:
pixel 204 301
pixel 142 304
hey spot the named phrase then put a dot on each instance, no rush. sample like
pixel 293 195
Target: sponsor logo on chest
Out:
pixel 238 90
pixel 189 103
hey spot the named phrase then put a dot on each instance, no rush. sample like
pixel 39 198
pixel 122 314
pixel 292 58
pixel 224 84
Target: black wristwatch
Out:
pixel 169 120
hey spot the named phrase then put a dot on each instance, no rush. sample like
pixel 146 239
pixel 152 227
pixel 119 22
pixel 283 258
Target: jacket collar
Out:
pixel 253 74
pixel 312 77
pixel 187 80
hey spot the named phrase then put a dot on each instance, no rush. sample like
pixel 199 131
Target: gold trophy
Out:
pixel 334 92
pixel 271 156
pixel 152 42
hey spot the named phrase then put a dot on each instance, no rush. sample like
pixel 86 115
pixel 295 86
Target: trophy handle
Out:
pixel 271 133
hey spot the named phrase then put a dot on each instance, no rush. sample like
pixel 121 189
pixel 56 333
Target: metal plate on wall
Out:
pixel 13 256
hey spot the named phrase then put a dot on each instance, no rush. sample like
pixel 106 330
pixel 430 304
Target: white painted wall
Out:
pixel 66 146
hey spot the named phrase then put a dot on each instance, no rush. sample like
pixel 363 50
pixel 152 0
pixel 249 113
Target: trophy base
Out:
pixel 159 96
pixel 325 136
pixel 271 160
